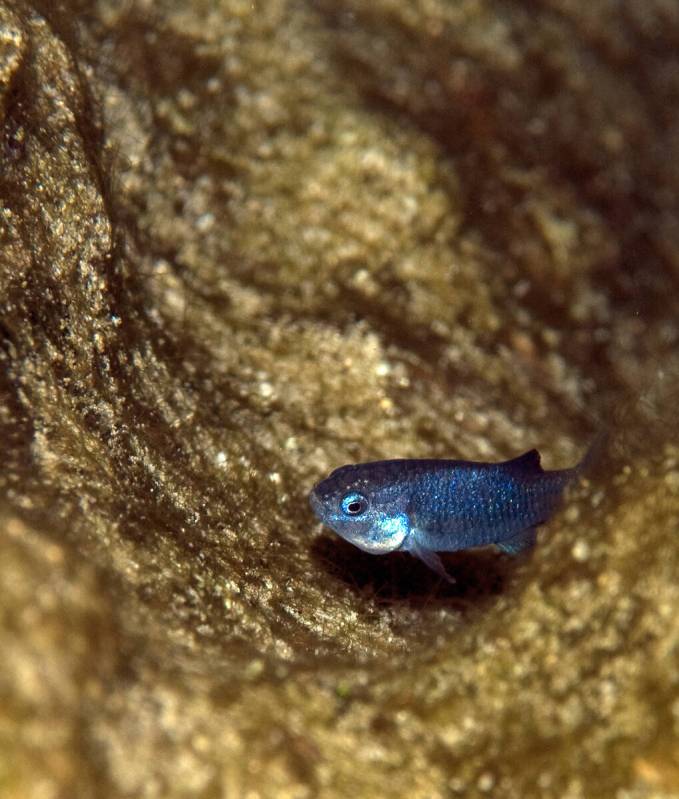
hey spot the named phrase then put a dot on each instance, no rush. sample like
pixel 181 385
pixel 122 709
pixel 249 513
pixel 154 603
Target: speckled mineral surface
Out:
pixel 242 243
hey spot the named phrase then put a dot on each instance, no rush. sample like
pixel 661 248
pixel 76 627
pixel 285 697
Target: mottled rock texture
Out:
pixel 242 243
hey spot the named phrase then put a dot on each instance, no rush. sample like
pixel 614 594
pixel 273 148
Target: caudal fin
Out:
pixel 594 452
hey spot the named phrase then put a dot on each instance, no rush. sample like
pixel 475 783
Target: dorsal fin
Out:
pixel 528 463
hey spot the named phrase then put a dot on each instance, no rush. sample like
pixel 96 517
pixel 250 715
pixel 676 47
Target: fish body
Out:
pixel 430 506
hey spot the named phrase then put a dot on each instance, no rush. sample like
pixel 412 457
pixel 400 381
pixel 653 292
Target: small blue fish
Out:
pixel 429 506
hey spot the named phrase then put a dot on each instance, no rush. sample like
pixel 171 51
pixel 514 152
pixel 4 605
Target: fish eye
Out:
pixel 354 504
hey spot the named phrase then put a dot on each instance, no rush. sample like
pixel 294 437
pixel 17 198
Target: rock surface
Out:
pixel 244 243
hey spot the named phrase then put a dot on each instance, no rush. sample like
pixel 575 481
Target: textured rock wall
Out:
pixel 243 243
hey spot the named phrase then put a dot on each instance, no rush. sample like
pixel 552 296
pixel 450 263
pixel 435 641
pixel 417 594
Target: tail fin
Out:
pixel 594 452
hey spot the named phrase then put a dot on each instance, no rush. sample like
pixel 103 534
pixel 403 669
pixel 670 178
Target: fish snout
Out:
pixel 316 504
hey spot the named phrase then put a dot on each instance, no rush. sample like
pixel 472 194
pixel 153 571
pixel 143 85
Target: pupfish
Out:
pixel 430 506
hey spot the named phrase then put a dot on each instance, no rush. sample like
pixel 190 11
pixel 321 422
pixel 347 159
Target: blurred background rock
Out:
pixel 243 243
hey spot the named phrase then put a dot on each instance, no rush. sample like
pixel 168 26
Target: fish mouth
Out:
pixel 316 504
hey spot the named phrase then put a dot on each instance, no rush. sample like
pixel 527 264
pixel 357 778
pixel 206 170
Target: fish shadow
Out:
pixel 398 577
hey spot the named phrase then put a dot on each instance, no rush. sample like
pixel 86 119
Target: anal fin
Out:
pixel 521 542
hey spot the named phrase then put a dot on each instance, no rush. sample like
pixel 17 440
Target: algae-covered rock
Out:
pixel 244 243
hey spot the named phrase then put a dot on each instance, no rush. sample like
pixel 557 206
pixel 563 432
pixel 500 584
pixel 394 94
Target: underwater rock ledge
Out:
pixel 243 244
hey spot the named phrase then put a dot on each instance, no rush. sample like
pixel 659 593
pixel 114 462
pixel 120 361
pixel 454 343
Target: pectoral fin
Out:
pixel 432 560
pixel 521 542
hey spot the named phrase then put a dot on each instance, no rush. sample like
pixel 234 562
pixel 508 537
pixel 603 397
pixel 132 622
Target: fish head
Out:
pixel 363 508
